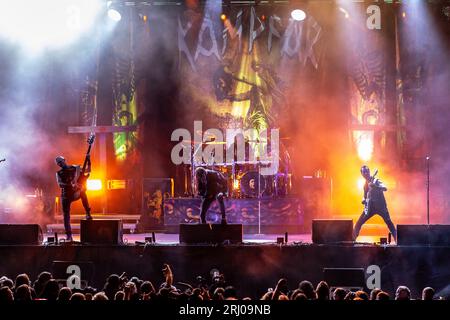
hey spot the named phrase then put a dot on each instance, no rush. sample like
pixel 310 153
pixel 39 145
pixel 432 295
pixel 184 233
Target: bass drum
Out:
pixel 250 184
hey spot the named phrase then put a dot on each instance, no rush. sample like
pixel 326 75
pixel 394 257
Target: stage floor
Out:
pixel 173 238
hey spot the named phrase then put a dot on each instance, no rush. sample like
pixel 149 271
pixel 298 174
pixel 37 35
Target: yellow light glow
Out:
pixel 361 182
pixel 94 184
pixel 223 17
pixel 364 144
pixel 236 184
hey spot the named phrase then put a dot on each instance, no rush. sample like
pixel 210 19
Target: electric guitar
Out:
pixel 365 202
pixel 82 178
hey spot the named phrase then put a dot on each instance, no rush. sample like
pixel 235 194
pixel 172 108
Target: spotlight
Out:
pixel 223 17
pixel 298 15
pixel 345 12
pixel 404 14
pixel 94 184
pixel 114 15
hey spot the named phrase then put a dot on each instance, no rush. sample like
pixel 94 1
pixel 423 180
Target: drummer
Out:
pixel 236 154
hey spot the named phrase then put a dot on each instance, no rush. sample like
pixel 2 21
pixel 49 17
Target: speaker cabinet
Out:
pixel 332 231
pixel 210 233
pixel 17 234
pixel 101 231
pixel 428 235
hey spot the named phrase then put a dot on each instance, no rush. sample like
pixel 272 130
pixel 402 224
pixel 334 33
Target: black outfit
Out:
pixel 214 189
pixel 374 203
pixel 65 178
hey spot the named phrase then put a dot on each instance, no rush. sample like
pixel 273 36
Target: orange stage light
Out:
pixel 223 17
pixel 236 184
pixel 94 184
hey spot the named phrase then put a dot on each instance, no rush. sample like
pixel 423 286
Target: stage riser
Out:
pixel 274 212
pixel 252 268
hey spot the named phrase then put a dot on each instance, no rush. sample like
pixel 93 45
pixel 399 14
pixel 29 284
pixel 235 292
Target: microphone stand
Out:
pixel 428 190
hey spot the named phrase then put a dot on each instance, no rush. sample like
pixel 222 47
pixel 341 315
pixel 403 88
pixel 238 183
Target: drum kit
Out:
pixel 245 179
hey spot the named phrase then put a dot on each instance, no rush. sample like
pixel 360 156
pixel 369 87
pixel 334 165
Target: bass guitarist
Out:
pixel 374 203
pixel 72 181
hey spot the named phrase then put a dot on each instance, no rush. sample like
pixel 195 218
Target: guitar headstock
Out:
pixel 91 139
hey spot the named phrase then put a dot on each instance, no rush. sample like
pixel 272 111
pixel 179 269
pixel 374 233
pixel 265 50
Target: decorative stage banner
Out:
pixel 281 211
pixel 236 64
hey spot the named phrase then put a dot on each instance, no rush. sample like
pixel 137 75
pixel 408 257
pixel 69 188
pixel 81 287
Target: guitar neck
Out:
pixel 85 159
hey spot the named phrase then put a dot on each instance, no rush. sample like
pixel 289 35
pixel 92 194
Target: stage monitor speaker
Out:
pixel 210 233
pixel 344 277
pixel 18 234
pixel 428 235
pixel 101 231
pixel 331 231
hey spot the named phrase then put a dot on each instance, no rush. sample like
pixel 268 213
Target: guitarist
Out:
pixel 68 179
pixel 212 185
pixel 374 203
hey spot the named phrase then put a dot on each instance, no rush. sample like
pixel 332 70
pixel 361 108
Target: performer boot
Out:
pixel 69 238
pixel 88 215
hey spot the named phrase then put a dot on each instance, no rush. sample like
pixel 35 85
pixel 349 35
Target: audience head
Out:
pixel 22 279
pixel 230 293
pixel 383 296
pixel 362 295
pixel 323 291
pixel 23 293
pixel 39 284
pixel 6 282
pixel 374 293
pixel 119 296
pixel 64 294
pixel 100 296
pixel 428 293
pixel 77 296
pixel 307 288
pixel 51 290
pixel 339 294
pixel 403 293
pixel 6 294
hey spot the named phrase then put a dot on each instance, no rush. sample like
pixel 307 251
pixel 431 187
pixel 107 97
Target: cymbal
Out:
pixel 207 142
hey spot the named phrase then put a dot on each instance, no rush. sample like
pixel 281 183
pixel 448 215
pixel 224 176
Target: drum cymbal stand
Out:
pixel 259 197
pixel 193 188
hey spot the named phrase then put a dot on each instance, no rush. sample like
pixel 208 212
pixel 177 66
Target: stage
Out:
pixel 252 267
